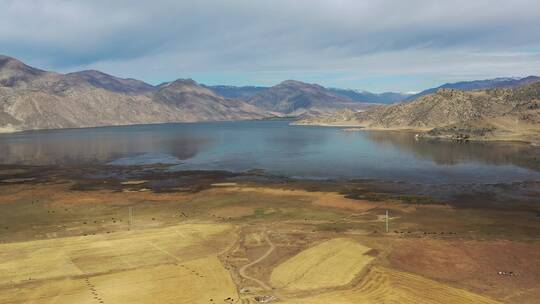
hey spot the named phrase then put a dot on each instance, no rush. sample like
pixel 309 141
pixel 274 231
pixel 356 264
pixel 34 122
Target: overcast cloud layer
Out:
pixel 375 45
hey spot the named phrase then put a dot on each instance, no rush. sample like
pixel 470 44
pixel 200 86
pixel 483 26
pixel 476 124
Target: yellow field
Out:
pixel 330 264
pixel 382 285
pixel 170 265
pixel 195 281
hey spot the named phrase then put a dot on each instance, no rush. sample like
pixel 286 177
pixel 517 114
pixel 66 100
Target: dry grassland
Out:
pixel 60 244
pixel 330 264
pixel 383 285
pixel 198 281
pixel 175 265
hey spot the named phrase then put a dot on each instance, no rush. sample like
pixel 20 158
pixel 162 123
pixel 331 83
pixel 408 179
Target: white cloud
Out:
pixel 159 40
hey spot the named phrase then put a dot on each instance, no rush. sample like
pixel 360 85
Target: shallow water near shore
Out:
pixel 279 149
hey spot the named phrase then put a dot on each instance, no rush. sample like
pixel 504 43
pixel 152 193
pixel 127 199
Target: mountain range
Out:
pixel 368 97
pixel 35 99
pixel 247 92
pixel 296 98
pixel 31 98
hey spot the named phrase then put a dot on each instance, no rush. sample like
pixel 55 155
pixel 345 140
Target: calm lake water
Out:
pixel 281 149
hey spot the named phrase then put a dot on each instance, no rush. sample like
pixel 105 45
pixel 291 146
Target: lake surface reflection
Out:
pixel 295 151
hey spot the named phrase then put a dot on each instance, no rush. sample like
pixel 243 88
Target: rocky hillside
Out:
pixel 521 122
pixel 503 113
pixel 297 98
pixel 34 99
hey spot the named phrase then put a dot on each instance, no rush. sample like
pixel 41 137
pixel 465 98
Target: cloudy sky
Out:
pixel 376 45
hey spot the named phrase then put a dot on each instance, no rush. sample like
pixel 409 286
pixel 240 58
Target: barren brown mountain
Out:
pixel 34 99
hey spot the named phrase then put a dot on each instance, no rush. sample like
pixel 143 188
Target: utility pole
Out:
pixel 130 217
pixel 386 221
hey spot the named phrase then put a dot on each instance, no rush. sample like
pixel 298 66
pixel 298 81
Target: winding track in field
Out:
pixel 242 271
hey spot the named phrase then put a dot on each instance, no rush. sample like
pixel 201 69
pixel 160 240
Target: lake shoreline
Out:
pixel 424 133
pixel 158 177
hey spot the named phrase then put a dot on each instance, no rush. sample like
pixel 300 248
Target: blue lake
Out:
pixel 280 149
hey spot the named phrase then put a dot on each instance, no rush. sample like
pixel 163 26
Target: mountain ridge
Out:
pixel 247 92
pixel 292 97
pixel 500 82
pixel 35 99
pixel 31 98
pixel 113 83
pixel 369 97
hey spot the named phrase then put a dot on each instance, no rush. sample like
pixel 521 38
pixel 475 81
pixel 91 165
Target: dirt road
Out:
pixel 242 271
